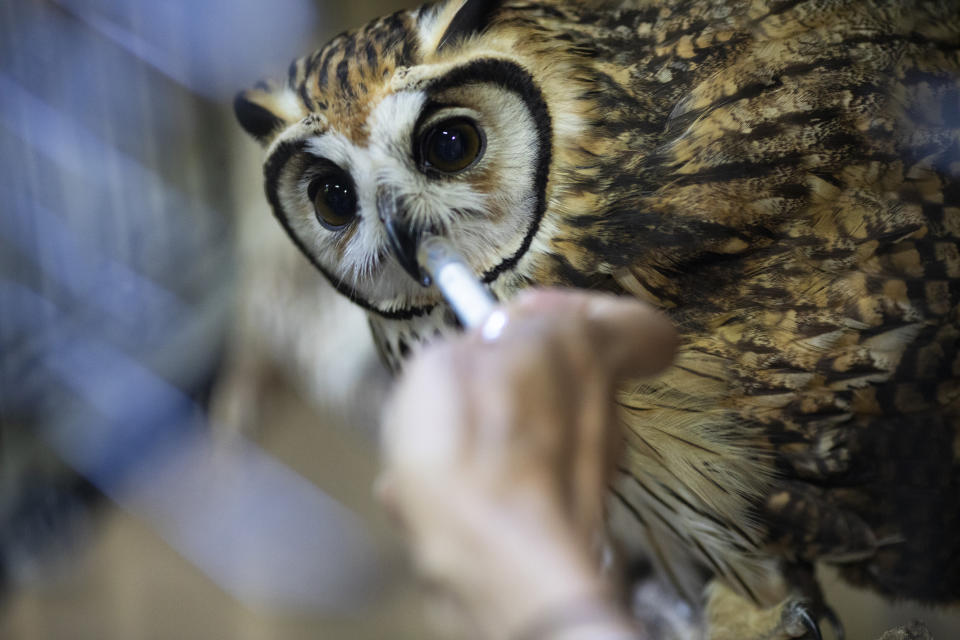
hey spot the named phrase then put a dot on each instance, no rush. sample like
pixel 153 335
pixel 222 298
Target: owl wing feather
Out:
pixel 800 225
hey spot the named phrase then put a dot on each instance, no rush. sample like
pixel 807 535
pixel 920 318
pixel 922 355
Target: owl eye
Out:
pixel 451 146
pixel 334 199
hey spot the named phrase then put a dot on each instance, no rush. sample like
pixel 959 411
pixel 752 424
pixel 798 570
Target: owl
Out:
pixel 781 177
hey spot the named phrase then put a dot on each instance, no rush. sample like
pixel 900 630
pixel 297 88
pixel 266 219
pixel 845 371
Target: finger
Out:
pixel 624 338
pixel 630 338
pixel 430 393
pixel 590 462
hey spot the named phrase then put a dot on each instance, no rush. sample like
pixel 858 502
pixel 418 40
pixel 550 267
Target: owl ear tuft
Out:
pixel 471 18
pixel 264 111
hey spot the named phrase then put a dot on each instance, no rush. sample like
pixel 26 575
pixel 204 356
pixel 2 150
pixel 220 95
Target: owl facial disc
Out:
pixel 366 153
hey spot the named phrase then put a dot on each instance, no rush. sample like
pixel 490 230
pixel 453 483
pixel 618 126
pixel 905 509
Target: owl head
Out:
pixel 454 119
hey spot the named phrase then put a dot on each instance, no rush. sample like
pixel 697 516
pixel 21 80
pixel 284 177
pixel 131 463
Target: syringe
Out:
pixel 460 287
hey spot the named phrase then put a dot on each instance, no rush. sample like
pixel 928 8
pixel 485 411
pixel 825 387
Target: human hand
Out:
pixel 497 454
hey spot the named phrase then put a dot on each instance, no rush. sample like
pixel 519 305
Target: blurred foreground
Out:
pixel 155 326
pixel 122 582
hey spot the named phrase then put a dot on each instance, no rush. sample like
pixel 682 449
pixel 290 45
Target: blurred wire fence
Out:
pixel 125 196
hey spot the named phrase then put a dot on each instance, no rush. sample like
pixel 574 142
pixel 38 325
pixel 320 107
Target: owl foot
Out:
pixel 731 616
pixel 797 621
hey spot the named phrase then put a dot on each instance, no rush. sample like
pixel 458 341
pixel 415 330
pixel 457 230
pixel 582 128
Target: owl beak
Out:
pixel 403 242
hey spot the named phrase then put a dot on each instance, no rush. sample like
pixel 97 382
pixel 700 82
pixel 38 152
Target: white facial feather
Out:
pixel 486 210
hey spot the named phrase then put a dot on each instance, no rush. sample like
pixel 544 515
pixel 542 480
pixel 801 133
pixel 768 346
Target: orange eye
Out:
pixel 451 146
pixel 334 199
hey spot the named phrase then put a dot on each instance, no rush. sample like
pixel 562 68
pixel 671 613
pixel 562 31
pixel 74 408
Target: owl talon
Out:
pixel 806 625
pixel 831 617
pixel 811 626
pixel 733 617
